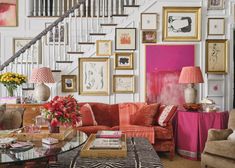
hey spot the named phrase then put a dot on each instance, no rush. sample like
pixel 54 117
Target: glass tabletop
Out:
pixel 40 150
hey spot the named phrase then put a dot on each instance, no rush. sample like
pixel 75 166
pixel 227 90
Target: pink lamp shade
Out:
pixel 191 74
pixel 42 75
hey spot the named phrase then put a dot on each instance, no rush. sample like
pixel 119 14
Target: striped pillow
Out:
pixel 88 118
pixel 166 115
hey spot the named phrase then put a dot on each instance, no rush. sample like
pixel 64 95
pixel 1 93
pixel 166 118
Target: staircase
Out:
pixel 81 25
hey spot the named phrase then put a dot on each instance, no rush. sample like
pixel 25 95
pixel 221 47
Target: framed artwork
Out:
pixel 216 26
pixel 149 36
pixel 103 47
pixel 181 24
pixel 94 76
pixel 57 35
pixel 215 87
pixel 216 56
pixel 125 39
pixel 8 13
pixel 123 83
pixel 69 83
pixel 148 21
pixel 216 4
pixel 35 53
pixel 124 61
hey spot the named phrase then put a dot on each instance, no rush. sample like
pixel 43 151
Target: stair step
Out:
pixel 64 62
pixel 56 70
pixel 27 89
pixel 131 6
pixel 123 15
pixel 108 24
pixel 86 43
pixel 97 34
pixel 75 52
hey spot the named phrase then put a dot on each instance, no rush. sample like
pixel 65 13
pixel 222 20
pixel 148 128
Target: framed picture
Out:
pixel 69 83
pixel 94 76
pixel 216 26
pixel 124 61
pixel 215 87
pixel 148 21
pixel 9 13
pixel 35 53
pixel 57 35
pixel 216 4
pixel 181 24
pixel 149 36
pixel 103 47
pixel 216 56
pixel 125 39
pixel 123 83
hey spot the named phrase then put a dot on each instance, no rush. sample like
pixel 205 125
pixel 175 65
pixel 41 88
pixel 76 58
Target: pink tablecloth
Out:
pixel 191 130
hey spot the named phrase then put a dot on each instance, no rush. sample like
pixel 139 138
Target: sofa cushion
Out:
pixel 88 118
pixel 232 136
pixel 224 148
pixel 166 115
pixel 93 129
pixel 163 132
pixel 145 116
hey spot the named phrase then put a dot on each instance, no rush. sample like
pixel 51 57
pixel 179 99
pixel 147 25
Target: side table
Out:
pixel 191 130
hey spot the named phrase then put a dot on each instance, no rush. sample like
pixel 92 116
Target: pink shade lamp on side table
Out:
pixel 41 76
pixel 190 75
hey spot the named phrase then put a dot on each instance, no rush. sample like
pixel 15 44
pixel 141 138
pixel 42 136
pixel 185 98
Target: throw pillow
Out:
pixel 88 118
pixel 232 136
pixel 167 113
pixel 145 115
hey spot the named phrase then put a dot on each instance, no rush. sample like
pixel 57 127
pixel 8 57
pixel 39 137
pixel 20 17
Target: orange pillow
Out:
pixel 88 118
pixel 146 115
pixel 166 115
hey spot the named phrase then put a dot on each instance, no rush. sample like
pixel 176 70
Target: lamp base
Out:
pixel 190 94
pixel 42 92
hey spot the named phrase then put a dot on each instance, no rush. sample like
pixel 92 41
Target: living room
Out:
pixel 158 72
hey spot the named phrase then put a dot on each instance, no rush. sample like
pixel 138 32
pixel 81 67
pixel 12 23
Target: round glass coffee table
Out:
pixel 41 152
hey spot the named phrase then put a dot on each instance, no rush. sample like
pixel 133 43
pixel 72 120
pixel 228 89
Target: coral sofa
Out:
pixel 119 117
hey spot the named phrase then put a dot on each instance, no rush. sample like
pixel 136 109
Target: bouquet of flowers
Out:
pixel 62 111
pixel 11 80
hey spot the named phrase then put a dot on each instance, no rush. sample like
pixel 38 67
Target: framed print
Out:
pixel 148 21
pixel 125 39
pixel 216 26
pixel 35 53
pixel 94 76
pixel 216 4
pixel 8 13
pixel 124 61
pixel 103 47
pixel 149 36
pixel 181 24
pixel 216 56
pixel 57 35
pixel 123 83
pixel 215 87
pixel 69 83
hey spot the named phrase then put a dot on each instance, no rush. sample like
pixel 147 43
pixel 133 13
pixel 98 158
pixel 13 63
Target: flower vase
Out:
pixel 10 91
pixel 53 129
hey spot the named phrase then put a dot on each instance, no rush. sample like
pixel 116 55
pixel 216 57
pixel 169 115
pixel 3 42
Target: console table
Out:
pixel 191 130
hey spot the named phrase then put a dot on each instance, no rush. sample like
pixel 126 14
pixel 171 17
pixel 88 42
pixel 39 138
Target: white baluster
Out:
pixel 30 8
pixel 49 49
pixel 63 6
pixel 59 41
pixel 65 38
pixel 103 11
pixel 92 15
pixel 120 7
pixel 70 33
pixel 53 8
pixel 39 8
pixel 76 32
pixel 109 10
pixel 58 7
pixel 44 7
pixel 81 22
pixel 53 51
pixel 37 44
pixel 87 20
pixel 34 7
pixel 21 63
pixel 114 7
pixel 68 5
pixel 98 14
pixel 48 8
pixel 27 62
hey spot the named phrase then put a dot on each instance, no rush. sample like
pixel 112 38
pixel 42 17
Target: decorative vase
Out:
pixel 53 129
pixel 10 91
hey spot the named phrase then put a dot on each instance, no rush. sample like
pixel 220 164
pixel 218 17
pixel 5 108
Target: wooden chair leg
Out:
pixel 172 154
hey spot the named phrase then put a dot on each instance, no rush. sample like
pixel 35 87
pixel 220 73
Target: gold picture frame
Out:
pixel 103 48
pixel 69 83
pixel 94 76
pixel 125 84
pixel 216 26
pixel 181 24
pixel 149 36
pixel 124 61
pixel 216 56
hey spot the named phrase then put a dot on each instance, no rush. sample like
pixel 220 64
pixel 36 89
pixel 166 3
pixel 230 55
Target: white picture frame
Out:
pixel 148 21
pixel 216 4
pixel 216 26
pixel 215 87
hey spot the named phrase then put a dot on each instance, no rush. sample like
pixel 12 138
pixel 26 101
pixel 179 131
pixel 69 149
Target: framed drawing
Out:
pixel 94 76
pixel 216 56
pixel 35 53
pixel 215 87
pixel 57 35
pixel 8 13
pixel 123 83
pixel 125 39
pixel 148 21
pixel 216 4
pixel 124 61
pixel 149 36
pixel 69 83
pixel 216 26
pixel 181 24
pixel 103 47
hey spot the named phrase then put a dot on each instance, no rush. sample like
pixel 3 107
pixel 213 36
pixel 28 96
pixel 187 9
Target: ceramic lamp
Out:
pixel 41 76
pixel 190 76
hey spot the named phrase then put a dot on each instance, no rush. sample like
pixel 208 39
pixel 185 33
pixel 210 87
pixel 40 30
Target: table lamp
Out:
pixel 190 75
pixel 41 76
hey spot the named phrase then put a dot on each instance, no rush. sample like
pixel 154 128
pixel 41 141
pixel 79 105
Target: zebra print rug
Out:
pixel 140 155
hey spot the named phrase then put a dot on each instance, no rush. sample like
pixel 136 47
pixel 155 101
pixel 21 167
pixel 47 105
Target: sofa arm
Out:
pixel 214 134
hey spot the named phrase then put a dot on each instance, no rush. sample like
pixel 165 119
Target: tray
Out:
pixel 108 153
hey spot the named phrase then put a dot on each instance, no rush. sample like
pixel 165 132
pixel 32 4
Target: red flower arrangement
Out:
pixel 62 111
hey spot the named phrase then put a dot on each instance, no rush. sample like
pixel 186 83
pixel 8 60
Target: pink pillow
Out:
pixel 166 115
pixel 88 118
